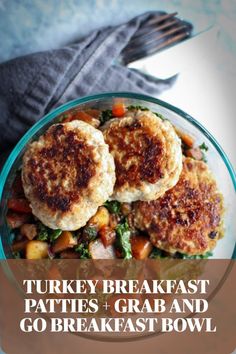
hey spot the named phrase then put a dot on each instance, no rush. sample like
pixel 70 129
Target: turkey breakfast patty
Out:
pixel 147 154
pixel 67 174
pixel 187 219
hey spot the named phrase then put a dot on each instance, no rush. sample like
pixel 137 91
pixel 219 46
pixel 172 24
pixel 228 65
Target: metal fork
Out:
pixel 159 32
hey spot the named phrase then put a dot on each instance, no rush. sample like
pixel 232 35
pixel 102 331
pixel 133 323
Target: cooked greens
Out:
pixel 105 116
pixel 200 256
pixel 89 234
pixel 54 234
pixel 141 108
pixel 137 108
pixel 203 146
pixel 16 255
pixel 159 115
pixel 83 251
pixel 42 232
pixel 123 239
pixel 110 226
pixel 47 234
pixel 157 254
pixel 113 206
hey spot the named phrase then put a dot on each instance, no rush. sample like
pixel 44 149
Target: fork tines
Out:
pixel 157 33
pixel 153 22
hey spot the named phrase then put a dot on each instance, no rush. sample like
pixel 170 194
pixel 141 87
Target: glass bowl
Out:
pixel 217 160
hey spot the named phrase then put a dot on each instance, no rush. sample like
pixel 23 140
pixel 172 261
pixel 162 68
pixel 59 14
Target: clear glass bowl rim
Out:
pixel 71 104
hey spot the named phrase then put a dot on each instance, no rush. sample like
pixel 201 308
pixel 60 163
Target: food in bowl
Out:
pixel 118 227
pixel 67 174
pixel 188 218
pixel 147 154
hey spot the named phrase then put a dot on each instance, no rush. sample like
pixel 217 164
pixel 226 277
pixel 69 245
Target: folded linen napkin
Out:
pixel 33 85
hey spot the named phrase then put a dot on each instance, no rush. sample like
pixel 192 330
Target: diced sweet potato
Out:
pixel 107 235
pixel 20 205
pixel 100 219
pixel 186 138
pixel 15 220
pixel 141 247
pixel 98 251
pixel 195 153
pixel 29 231
pixel 118 109
pixel 64 241
pixel 36 250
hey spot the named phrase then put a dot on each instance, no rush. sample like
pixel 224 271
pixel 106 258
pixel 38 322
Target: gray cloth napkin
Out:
pixel 33 85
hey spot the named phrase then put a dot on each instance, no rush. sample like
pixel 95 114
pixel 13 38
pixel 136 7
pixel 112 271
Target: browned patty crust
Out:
pixel 67 156
pixel 188 218
pixel 67 174
pixel 147 156
pixel 142 145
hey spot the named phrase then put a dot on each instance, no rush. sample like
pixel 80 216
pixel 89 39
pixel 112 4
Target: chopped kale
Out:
pixel 200 256
pixel 47 234
pixel 207 255
pixel 54 234
pixel 203 146
pixel 123 240
pixel 42 232
pixel 16 255
pixel 83 251
pixel 159 115
pixel 141 108
pixel 89 234
pixel 137 108
pixel 204 159
pixel 157 254
pixel 113 206
pixel 105 116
